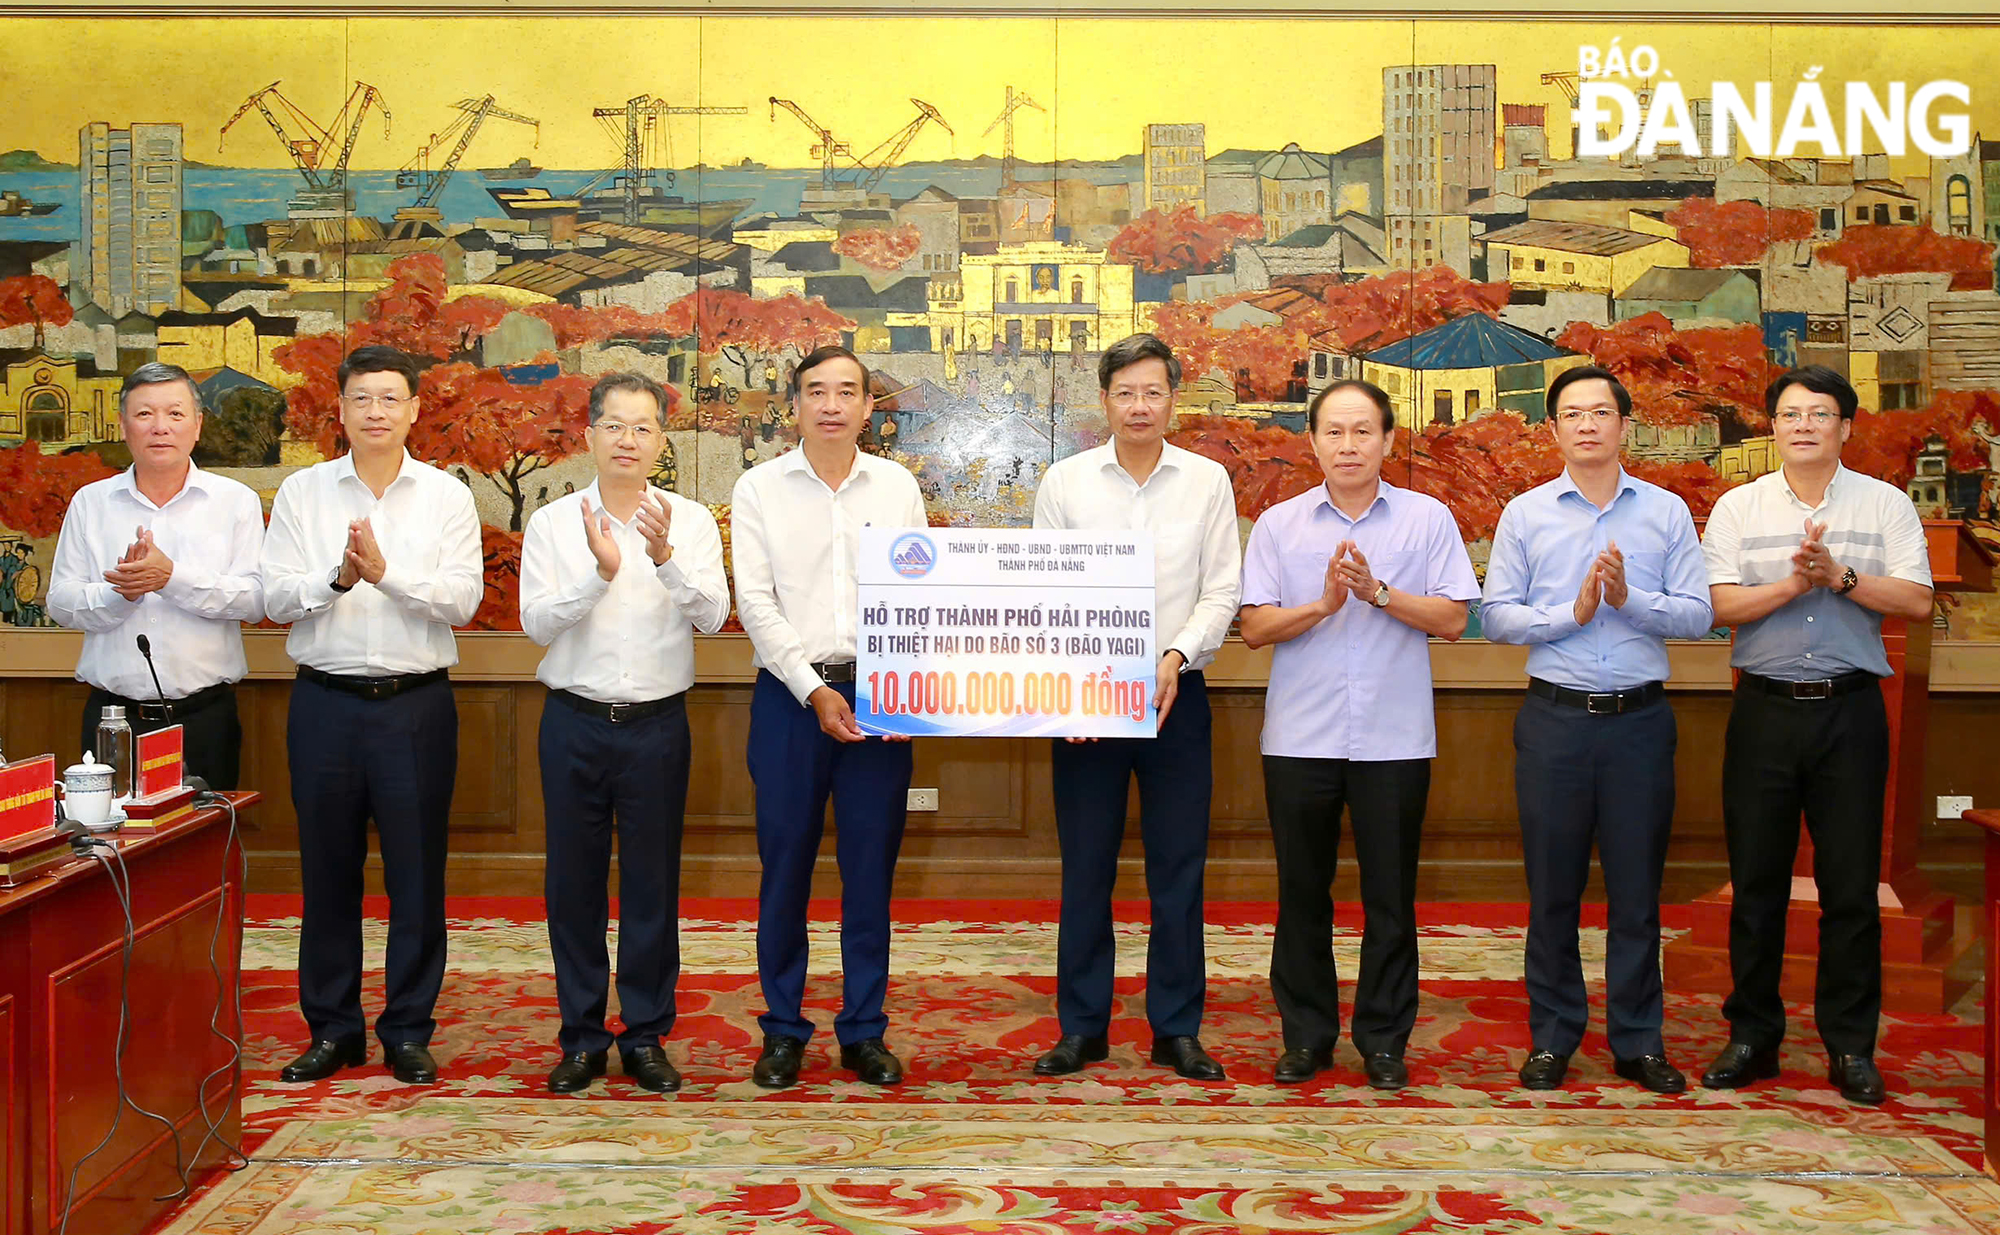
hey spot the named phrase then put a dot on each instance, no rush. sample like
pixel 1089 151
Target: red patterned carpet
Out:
pixel 973 1143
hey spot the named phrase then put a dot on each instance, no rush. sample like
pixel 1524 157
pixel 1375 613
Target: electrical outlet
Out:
pixel 926 799
pixel 1953 807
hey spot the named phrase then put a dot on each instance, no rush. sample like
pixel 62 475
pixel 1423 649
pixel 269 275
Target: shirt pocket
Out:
pixel 1177 551
pixel 1646 569
pixel 1401 570
pixel 1303 575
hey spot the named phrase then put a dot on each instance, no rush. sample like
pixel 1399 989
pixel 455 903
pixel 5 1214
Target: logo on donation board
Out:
pixel 913 556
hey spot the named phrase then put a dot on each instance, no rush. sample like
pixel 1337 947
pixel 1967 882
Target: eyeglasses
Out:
pixel 1598 415
pixel 1818 416
pixel 1133 398
pixel 615 430
pixel 388 403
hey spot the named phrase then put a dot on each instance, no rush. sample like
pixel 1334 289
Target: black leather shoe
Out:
pixel 778 1066
pixel 648 1065
pixel 1740 1064
pixel 411 1062
pixel 1183 1053
pixel 1300 1064
pixel 576 1071
pixel 1386 1071
pixel 1544 1070
pixel 870 1060
pixel 1857 1079
pixel 1070 1053
pixel 324 1058
pixel 1652 1071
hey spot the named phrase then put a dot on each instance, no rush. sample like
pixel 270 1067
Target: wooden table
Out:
pixel 1990 821
pixel 61 957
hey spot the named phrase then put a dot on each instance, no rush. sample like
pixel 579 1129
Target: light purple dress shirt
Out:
pixel 1358 684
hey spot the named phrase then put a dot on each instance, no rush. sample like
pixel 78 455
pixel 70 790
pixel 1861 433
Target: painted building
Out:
pixel 1292 191
pixel 1577 256
pixel 1469 366
pixel 1692 297
pixel 129 242
pixel 59 402
pixel 1176 175
pixel 1041 297
pixel 246 341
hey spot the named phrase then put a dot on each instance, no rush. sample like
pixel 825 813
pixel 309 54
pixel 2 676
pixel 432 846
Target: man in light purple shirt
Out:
pixel 1350 580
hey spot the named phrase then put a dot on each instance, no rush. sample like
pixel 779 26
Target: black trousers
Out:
pixel 1176 781
pixel 392 760
pixel 595 770
pixel 1827 759
pixel 211 739
pixel 1610 779
pixel 1387 800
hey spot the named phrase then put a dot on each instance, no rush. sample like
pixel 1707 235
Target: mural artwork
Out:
pixel 705 199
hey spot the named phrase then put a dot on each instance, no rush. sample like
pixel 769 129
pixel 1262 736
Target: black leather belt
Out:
pixel 617 713
pixel 173 709
pixel 1600 702
pixel 1822 688
pixel 372 688
pixel 835 672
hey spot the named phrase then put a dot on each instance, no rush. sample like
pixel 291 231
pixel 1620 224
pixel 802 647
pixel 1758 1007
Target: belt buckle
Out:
pixel 156 711
pixel 1609 699
pixel 377 689
pixel 1822 689
pixel 615 712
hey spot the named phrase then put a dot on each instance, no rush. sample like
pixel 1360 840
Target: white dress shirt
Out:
pixel 629 639
pixel 1189 507
pixel 212 530
pixel 797 544
pixel 432 580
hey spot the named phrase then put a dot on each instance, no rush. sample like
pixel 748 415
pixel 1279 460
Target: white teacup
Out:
pixel 86 791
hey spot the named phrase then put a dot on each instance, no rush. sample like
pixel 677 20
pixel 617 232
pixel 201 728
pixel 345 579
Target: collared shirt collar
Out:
pixel 1168 460
pixel 1832 486
pixel 1382 490
pixel 794 460
pixel 344 468
pixel 196 480
pixel 1566 483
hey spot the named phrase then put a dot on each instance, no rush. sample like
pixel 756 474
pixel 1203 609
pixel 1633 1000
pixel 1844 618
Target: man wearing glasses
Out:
pixel 1594 571
pixel 615 580
pixel 1137 481
pixel 1805 562
pixel 373 558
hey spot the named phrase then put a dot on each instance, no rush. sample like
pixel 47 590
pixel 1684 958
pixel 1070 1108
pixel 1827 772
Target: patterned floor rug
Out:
pixel 973 1143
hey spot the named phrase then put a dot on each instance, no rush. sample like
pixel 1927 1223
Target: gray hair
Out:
pixel 1132 349
pixel 630 383
pixel 157 373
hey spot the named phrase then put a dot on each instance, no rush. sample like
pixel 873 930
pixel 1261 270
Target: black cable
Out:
pixel 235 1060
pixel 118 1059
pixel 118 1049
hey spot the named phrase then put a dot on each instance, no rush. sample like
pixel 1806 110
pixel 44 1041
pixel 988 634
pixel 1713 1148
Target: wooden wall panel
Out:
pixel 994 832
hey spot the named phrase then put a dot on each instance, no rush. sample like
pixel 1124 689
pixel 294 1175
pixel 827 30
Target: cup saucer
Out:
pixel 112 823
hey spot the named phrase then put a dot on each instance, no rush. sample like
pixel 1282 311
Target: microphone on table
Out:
pixel 146 650
pixel 204 796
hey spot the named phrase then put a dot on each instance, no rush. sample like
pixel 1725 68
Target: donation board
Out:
pixel 977 632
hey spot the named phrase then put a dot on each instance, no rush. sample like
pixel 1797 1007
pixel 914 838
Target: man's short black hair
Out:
pixel 819 356
pixel 1821 381
pixel 1379 396
pixel 1132 349
pixel 378 358
pixel 1586 373
pixel 630 383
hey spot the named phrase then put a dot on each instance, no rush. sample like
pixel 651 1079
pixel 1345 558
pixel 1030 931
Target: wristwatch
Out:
pixel 1848 582
pixel 334 582
pixel 1381 598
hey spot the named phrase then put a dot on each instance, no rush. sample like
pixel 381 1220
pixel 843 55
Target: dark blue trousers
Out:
pixel 1610 779
pixel 1092 783
pixel 797 769
pixel 595 770
pixel 392 760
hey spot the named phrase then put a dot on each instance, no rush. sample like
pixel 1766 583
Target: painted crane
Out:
pixel 472 113
pixel 871 166
pixel 1005 122
pixel 644 134
pixel 826 147
pixel 326 181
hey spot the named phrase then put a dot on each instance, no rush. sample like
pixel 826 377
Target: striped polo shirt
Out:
pixel 1751 536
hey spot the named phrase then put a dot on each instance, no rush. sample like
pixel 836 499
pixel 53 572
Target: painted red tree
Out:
pixel 1158 242
pixel 1375 312
pixel 1265 465
pixel 881 248
pixel 1476 466
pixel 1734 233
pixel 1872 249
pixel 1677 376
pixel 36 488
pixel 500 606
pixel 506 432
pixel 1885 444
pixel 33 298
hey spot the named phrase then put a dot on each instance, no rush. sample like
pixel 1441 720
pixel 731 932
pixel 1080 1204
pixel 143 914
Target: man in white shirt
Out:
pixel 615 580
pixel 373 558
pixel 163 553
pixel 1137 481
pixel 796 523
pixel 1805 562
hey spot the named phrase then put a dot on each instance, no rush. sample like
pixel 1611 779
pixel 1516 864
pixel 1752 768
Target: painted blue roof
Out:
pixel 1474 341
